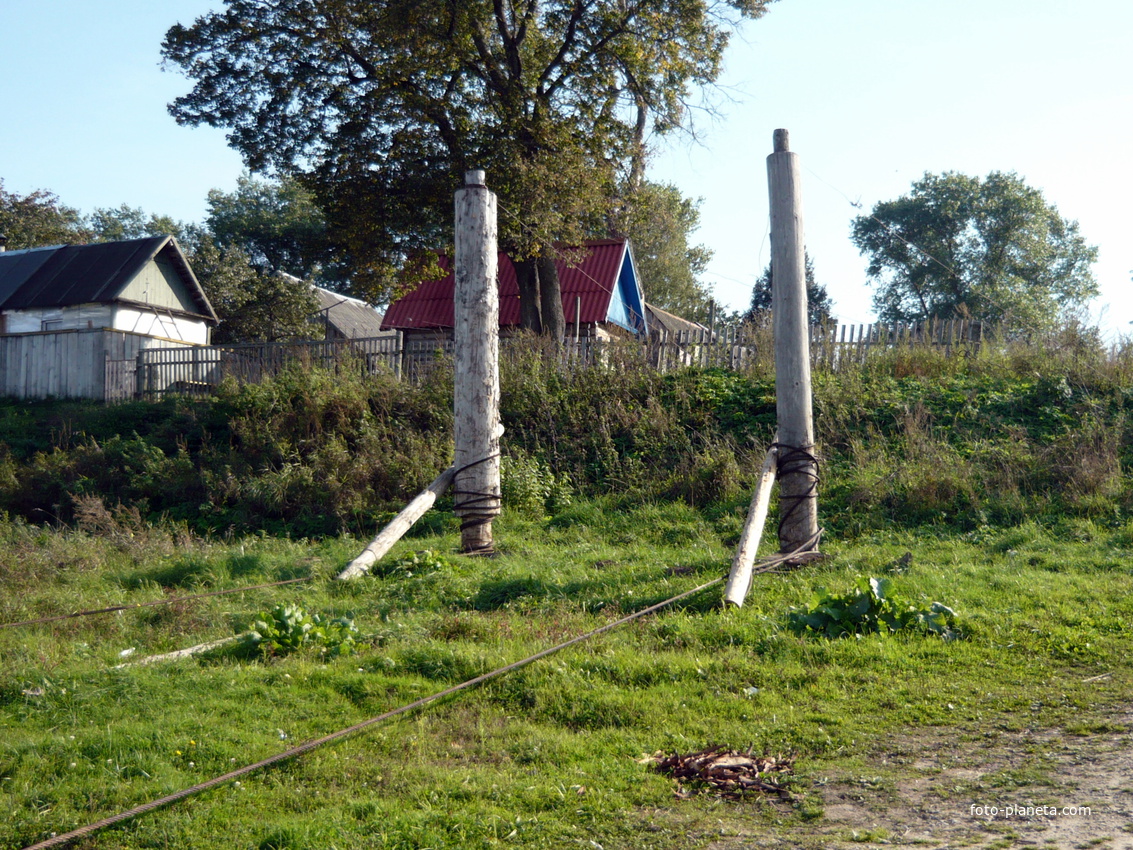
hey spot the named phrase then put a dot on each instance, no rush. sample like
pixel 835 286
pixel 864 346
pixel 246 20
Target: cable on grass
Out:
pixel 152 604
pixel 306 747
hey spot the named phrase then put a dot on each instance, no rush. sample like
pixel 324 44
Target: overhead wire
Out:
pixel 889 229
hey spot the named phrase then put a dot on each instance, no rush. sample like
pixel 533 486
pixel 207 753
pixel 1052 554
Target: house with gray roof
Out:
pixel 68 313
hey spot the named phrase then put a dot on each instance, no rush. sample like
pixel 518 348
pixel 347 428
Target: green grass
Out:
pixel 545 757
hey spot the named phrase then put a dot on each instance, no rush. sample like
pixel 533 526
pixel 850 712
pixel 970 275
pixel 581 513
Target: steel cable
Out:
pixel 57 840
pixel 169 601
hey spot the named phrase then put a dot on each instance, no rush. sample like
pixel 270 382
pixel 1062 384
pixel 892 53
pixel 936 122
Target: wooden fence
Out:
pixel 200 369
pixel 832 347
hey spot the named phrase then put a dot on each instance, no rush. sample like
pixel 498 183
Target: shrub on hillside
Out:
pixel 910 438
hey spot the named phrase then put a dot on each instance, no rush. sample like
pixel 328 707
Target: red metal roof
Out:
pixel 589 273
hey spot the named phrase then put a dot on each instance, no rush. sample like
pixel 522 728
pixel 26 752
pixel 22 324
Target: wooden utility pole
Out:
pixel 476 338
pixel 798 468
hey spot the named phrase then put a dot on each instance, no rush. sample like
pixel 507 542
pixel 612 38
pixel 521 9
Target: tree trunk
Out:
pixel 530 312
pixel 551 299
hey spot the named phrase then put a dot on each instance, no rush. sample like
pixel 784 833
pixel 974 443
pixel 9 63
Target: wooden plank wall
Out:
pixel 68 363
pixel 59 364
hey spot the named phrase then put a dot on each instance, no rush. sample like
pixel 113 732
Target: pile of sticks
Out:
pixel 728 773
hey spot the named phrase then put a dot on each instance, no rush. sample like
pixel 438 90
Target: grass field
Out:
pixel 548 756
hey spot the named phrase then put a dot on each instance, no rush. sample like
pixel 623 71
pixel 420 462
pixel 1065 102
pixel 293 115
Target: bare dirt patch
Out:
pixel 1040 788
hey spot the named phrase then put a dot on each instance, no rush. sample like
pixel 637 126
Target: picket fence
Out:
pixel 199 370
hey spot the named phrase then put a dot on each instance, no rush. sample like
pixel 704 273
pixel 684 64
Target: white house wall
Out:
pixel 178 328
pixel 117 317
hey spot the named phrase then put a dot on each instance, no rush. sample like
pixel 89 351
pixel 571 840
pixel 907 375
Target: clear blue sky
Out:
pixel 874 92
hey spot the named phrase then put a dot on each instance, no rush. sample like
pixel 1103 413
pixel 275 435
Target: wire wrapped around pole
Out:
pixel 477 507
pixel 794 460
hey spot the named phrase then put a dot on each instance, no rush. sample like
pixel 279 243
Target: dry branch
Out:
pixel 729 772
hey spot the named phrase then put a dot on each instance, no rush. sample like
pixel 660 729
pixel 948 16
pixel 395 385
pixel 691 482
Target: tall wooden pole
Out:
pixel 798 468
pixel 476 338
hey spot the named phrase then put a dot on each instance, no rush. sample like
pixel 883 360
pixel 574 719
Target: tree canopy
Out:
pixel 38 219
pixel 111 224
pixel 991 249
pixel 382 105
pixel 253 305
pixel 276 223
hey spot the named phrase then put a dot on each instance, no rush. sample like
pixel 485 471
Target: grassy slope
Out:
pixel 1003 476
pixel 545 757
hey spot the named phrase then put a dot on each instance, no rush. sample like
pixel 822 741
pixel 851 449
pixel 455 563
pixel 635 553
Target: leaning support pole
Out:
pixel 476 347
pixel 180 653
pixel 739 580
pixel 798 467
pixel 398 526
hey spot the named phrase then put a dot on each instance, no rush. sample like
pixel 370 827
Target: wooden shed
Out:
pixel 67 312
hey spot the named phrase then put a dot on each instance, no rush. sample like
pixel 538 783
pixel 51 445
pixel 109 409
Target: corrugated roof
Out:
pixel 588 276
pixel 68 275
pixel 352 318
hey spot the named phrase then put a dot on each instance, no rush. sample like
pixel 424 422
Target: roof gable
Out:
pixel 69 275
pixel 597 280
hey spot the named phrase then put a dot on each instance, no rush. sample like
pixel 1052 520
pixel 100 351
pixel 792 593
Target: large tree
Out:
pixel 382 105
pixel 38 219
pixel 991 249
